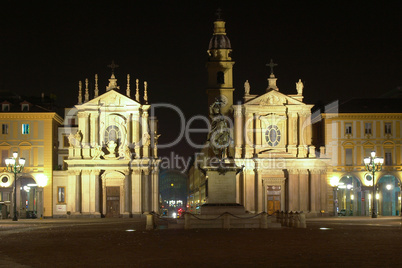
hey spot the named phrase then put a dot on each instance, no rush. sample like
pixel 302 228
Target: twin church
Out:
pixel 107 153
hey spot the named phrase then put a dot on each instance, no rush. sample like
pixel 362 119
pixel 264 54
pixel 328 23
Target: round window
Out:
pixel 273 135
pixel 4 179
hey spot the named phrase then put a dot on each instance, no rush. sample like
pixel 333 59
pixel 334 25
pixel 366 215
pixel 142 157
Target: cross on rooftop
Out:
pixel 113 66
pixel 271 65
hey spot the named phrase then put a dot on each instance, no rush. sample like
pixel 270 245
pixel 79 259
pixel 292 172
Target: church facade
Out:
pixel 109 144
pixel 271 140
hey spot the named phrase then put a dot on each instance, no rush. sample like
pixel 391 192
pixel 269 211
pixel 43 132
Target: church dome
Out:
pixel 219 39
pixel 219 42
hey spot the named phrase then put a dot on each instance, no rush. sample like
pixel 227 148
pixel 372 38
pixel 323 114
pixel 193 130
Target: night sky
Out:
pixel 339 49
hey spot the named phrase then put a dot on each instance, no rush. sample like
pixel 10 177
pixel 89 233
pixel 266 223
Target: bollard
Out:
pixel 264 221
pixel 291 219
pixel 150 222
pixel 286 221
pixel 282 218
pixel 302 220
pixel 297 220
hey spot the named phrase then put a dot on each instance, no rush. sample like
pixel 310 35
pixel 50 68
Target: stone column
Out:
pixel 292 134
pixel 78 201
pixel 127 194
pixel 293 190
pixel 258 134
pixel 323 190
pixel 136 185
pixel 315 191
pixel 94 129
pixel 129 129
pixel 248 136
pixel 136 134
pixel 96 193
pixel 238 134
pixel 85 188
pixel 155 190
pixel 302 148
pixel 146 137
pixel 145 191
pixel 304 190
pixel 260 191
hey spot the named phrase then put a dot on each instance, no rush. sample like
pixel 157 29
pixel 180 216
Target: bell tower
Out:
pixel 220 68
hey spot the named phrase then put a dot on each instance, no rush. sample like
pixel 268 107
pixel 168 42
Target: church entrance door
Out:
pixel 113 201
pixel 274 199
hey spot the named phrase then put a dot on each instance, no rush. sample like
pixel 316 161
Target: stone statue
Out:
pixel 146 139
pixel 111 147
pixel 246 88
pixel 299 87
pixel 71 140
pixel 219 136
pixel 125 152
pixel 98 153
pixel 78 138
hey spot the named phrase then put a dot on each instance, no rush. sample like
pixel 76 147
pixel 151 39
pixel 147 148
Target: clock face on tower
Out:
pixel 224 100
pixel 273 135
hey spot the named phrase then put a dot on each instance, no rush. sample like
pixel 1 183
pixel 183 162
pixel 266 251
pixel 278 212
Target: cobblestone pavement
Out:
pixel 326 242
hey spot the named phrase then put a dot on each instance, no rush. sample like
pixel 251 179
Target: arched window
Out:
pixel 220 78
pixel 112 133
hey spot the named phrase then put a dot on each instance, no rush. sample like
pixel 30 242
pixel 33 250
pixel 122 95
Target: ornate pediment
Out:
pixel 273 98
pixel 110 98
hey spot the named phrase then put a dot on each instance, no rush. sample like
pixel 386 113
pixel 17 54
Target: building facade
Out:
pixel 112 162
pixel 350 131
pixel 272 141
pixel 28 128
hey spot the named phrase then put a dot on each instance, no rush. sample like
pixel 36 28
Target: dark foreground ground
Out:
pixel 357 242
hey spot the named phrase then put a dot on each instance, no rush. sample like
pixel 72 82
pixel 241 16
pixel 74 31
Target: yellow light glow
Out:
pixel 377 196
pixel 352 197
pixel 41 180
pixel 334 181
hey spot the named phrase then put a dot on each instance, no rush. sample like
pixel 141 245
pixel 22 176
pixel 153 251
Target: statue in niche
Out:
pixel 299 87
pixel 111 147
pixel 246 88
pixel 219 136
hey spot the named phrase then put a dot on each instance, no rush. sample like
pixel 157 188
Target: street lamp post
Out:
pixel 15 167
pixel 373 164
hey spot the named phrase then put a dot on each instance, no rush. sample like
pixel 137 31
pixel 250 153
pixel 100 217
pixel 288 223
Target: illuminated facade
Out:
pixel 272 139
pixel 30 130
pixel 109 147
pixel 350 132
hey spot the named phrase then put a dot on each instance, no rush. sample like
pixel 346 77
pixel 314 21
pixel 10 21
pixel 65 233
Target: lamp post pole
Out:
pixel 15 167
pixel 373 164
